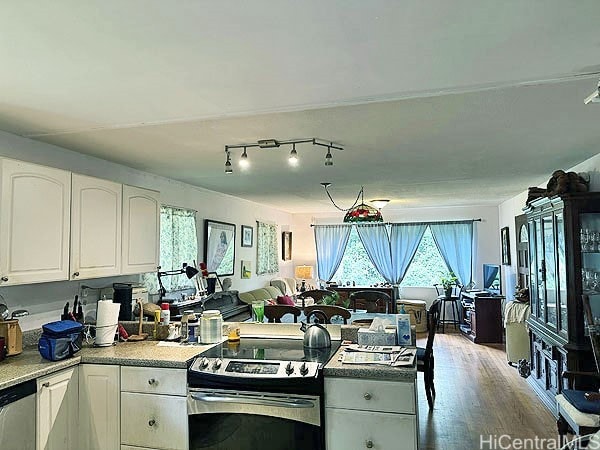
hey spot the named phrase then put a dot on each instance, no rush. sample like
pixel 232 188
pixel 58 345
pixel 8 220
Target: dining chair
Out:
pixel 329 311
pixel 274 313
pixel 425 359
pixel 316 294
pixel 372 301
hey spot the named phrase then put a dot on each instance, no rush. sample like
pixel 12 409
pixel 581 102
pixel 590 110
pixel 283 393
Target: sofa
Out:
pixel 266 293
pixel 285 285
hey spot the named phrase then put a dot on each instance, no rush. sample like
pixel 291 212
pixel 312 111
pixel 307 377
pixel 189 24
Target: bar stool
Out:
pixel 453 300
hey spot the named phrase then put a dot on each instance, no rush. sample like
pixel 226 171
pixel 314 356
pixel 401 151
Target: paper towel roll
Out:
pixel 107 319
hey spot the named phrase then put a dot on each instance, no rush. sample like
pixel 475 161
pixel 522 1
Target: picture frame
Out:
pixel 246 272
pixel 286 245
pixel 505 240
pixel 247 236
pixel 219 247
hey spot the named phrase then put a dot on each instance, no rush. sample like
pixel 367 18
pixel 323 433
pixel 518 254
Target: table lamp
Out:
pixel 304 272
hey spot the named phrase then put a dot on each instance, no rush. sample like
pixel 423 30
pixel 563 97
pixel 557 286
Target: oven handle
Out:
pixel 252 400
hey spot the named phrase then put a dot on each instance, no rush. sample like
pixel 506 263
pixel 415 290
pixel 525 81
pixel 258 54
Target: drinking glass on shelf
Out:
pixel 585 239
pixel 258 311
pixel 594 241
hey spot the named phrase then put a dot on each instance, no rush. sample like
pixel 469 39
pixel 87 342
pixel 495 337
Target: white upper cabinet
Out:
pixel 141 230
pixel 95 227
pixel 34 223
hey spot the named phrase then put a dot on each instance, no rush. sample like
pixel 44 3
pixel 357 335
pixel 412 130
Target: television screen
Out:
pixel 491 278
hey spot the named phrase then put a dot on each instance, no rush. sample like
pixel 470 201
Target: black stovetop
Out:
pixel 268 349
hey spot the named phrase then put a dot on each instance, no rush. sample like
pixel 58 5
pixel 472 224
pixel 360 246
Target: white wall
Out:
pixel 508 210
pixel 487 238
pixel 45 300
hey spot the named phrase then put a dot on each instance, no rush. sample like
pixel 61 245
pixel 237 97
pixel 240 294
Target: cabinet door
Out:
pixel 549 275
pixel 34 223
pixel 95 227
pixel 99 409
pixel 561 275
pixel 57 411
pixel 141 230
pixel 347 429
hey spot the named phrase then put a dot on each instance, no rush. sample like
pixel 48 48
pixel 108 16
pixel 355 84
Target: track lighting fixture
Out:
pixel 273 143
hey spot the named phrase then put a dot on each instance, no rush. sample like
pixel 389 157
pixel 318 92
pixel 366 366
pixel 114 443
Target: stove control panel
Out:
pixel 255 368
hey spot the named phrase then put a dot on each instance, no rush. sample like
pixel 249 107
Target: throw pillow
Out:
pixel 285 300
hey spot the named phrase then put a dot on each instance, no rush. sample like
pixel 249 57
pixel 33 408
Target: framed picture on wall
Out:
pixel 219 247
pixel 505 246
pixel 247 235
pixel 246 269
pixel 286 245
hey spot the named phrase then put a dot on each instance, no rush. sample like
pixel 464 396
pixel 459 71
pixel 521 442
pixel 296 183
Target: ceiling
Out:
pixel 436 103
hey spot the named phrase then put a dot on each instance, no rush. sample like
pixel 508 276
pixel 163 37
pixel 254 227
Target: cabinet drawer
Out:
pixel 357 430
pixel 153 380
pixel 155 421
pixel 370 395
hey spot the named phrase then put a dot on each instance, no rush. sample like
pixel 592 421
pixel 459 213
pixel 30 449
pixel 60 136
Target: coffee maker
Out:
pixel 122 293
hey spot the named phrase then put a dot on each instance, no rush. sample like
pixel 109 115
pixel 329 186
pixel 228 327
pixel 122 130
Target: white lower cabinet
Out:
pixel 99 418
pixel 57 410
pixel 153 409
pixel 370 414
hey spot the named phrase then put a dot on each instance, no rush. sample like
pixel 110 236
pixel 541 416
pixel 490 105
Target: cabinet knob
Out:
pixel 75 274
pixel 367 396
pixel 151 422
pixel 152 382
pixel 46 384
pixel 369 443
pixel 4 278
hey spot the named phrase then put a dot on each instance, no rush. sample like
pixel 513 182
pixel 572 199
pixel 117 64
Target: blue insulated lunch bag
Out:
pixel 60 339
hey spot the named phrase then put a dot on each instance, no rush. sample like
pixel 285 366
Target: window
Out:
pixel 178 245
pixel 426 268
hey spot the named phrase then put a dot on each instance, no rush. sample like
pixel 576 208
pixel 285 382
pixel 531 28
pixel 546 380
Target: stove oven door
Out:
pixel 225 420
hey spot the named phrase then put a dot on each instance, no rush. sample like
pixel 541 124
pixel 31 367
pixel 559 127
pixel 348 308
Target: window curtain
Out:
pixel 404 241
pixel 376 242
pixel 267 260
pixel 178 245
pixel 331 243
pixel 455 243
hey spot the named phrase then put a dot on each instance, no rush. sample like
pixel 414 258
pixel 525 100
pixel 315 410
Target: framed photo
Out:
pixel 247 235
pixel 286 245
pixel 505 246
pixel 219 247
pixel 246 269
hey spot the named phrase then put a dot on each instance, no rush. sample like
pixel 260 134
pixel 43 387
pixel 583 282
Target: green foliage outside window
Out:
pixel 426 268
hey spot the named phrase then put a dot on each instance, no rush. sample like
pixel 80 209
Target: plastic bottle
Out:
pixel 165 314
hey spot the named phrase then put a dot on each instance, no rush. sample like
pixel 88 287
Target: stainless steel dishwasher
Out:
pixel 17 417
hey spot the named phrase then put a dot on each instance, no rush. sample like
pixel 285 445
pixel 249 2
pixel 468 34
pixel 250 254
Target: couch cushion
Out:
pixel 578 400
pixel 287 286
pixel 266 293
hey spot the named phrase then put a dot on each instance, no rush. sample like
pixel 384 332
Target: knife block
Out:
pixel 12 334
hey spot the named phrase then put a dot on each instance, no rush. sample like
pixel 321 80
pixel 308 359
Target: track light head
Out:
pixel 293 160
pixel 228 169
pixel 328 157
pixel 244 163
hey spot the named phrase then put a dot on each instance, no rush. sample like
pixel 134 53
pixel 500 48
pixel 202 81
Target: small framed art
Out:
pixel 247 235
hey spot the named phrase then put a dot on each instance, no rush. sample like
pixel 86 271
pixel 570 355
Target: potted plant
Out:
pixel 448 282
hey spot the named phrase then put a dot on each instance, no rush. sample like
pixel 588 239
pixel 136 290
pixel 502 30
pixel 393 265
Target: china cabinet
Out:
pixel 564 252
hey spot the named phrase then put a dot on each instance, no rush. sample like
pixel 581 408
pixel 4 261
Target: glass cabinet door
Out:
pixel 561 271
pixel 590 259
pixel 535 257
pixel 549 275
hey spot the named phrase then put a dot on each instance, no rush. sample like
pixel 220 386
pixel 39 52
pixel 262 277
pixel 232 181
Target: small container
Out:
pixel 211 326
pixel 165 314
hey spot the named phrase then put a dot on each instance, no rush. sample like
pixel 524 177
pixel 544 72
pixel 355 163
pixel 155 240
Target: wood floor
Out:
pixel 478 393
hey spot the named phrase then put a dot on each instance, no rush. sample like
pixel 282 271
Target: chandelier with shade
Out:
pixel 360 212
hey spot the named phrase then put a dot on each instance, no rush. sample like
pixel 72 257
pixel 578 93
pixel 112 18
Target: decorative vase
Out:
pixel 448 292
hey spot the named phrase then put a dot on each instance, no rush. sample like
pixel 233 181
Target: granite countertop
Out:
pixel 334 368
pixel 30 365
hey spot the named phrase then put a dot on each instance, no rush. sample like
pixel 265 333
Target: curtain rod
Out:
pixel 396 223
